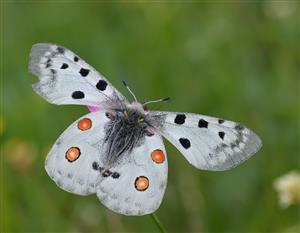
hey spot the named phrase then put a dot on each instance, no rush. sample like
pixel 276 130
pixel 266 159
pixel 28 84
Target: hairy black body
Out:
pixel 126 130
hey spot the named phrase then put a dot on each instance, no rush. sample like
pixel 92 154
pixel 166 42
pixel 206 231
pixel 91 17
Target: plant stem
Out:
pixel 158 223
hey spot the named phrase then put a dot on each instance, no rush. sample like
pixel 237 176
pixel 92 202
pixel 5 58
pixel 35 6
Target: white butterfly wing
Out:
pixel 135 184
pixel 209 143
pixel 70 161
pixel 142 180
pixel 64 78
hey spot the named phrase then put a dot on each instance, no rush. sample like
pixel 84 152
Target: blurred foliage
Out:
pixel 237 60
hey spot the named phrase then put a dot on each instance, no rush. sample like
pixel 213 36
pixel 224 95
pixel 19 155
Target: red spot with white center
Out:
pixel 141 183
pixel 73 154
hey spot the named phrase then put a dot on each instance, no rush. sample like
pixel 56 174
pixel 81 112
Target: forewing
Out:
pixel 209 143
pixel 138 181
pixel 64 78
pixel 70 161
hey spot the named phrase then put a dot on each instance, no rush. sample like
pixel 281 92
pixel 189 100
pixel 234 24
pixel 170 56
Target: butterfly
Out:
pixel 116 151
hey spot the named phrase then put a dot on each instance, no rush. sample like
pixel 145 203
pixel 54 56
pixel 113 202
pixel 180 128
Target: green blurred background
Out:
pixel 232 59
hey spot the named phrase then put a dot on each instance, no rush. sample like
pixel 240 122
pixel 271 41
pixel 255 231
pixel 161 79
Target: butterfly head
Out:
pixel 131 115
pixel 142 107
pixel 135 105
pixel 134 114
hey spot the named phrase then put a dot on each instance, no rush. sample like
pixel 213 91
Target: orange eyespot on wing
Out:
pixel 84 124
pixel 73 154
pixel 141 183
pixel 158 156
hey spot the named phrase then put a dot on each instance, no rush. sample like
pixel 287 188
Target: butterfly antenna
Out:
pixel 125 84
pixel 156 101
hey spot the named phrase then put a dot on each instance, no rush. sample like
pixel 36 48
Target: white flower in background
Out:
pixel 288 187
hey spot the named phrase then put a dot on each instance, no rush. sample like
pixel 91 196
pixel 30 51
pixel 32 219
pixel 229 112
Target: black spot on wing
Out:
pixel 115 175
pixel 48 63
pixel 76 59
pixel 202 123
pixel 84 72
pixel 53 72
pixel 221 121
pixel 221 135
pixel 64 66
pixel 239 127
pixel 180 119
pixel 60 50
pixel 185 142
pixel 77 95
pixel 101 85
pixel 223 145
pixel 95 166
